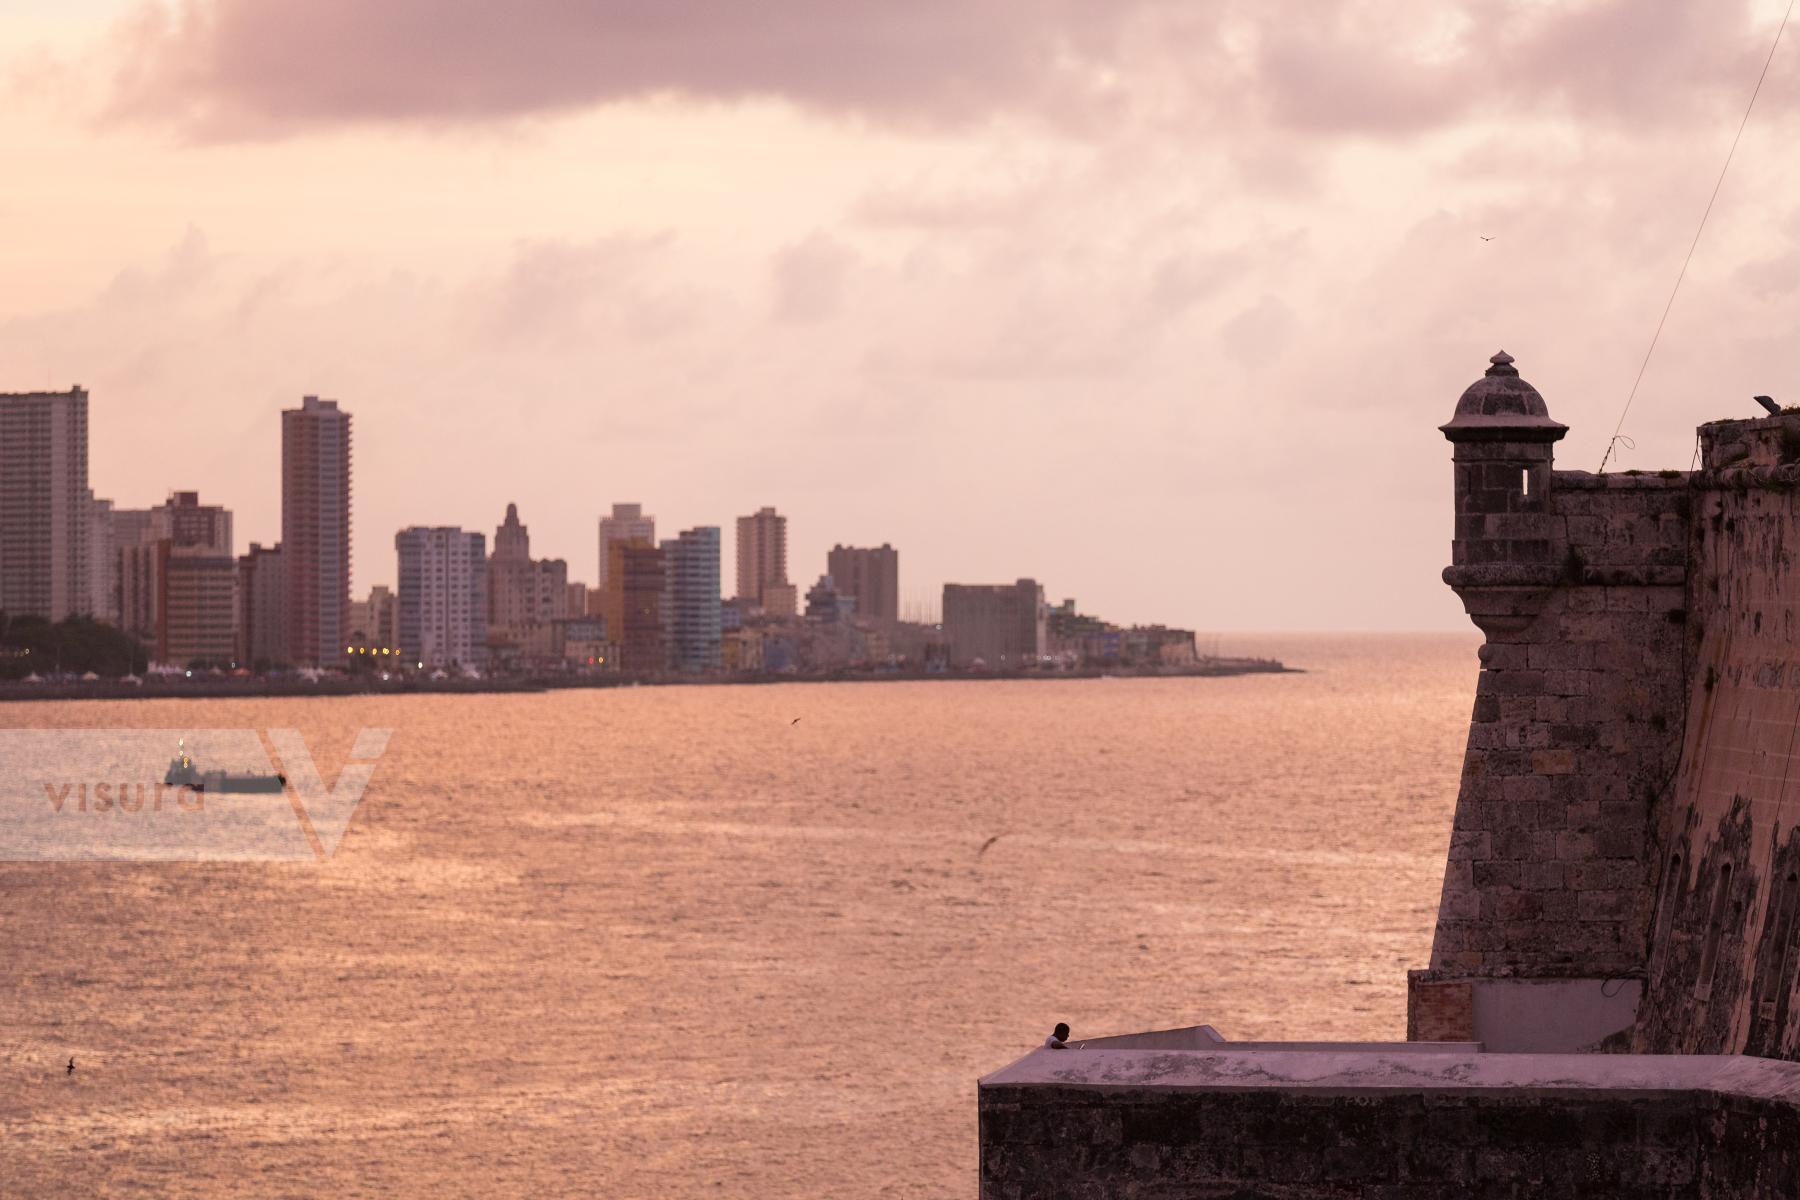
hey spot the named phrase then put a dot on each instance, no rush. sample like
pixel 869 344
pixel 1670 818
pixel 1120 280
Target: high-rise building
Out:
pixel 315 529
pixel 198 602
pixel 691 599
pixel 133 607
pixel 626 524
pixel 103 561
pixel 523 592
pixel 1002 624
pixel 872 576
pixel 262 607
pixel 44 510
pixel 575 599
pixel 443 596
pixel 634 604
pixel 761 556
pixel 178 580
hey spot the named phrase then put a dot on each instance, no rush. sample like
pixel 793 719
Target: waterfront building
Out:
pixel 872 576
pixel 262 607
pixel 691 600
pixel 637 597
pixel 826 605
pixel 177 580
pixel 315 529
pixel 571 643
pixel 374 622
pixel 780 600
pixel 999 625
pixel 198 620
pixel 45 513
pixel 761 556
pixel 522 592
pixel 442 596
pixel 103 561
pixel 626 524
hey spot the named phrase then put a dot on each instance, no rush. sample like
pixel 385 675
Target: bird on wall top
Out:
pixel 1769 404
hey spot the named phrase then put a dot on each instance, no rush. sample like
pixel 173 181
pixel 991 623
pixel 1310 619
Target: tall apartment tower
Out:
pixel 315 529
pixel 626 524
pixel 45 512
pixel 691 600
pixel 871 575
pixel 178 581
pixel 761 556
pixel 442 607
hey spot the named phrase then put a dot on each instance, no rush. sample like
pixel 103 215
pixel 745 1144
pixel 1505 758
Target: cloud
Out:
pixel 234 67
pixel 560 291
pixel 1261 333
pixel 809 279
pixel 252 68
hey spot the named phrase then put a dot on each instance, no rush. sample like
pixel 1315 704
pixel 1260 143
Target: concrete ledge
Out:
pixel 1354 1068
pixel 1380 1120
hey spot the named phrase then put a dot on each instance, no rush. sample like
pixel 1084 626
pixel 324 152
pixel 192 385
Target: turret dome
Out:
pixel 1502 407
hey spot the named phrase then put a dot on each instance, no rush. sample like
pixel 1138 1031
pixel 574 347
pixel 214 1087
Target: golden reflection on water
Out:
pixel 666 942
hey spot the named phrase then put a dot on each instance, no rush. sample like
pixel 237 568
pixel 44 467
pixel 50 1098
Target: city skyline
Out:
pixel 317 441
pixel 963 288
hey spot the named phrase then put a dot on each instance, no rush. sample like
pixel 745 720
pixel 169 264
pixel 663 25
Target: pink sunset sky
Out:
pixel 1158 301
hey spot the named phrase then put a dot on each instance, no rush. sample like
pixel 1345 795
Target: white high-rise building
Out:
pixel 691 600
pixel 442 606
pixel 45 505
pixel 627 523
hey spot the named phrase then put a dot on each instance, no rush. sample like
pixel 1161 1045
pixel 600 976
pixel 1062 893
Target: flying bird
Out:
pixel 1773 408
pixel 71 1066
pixel 986 844
pixel 1484 237
pixel 793 722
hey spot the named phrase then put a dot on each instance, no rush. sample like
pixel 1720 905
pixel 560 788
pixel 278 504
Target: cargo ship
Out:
pixel 183 773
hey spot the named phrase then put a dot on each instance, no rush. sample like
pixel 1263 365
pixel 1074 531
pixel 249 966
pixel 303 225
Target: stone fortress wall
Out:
pixel 1623 861
pixel 1610 1005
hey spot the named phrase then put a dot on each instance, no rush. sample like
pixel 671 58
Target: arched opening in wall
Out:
pixel 1715 933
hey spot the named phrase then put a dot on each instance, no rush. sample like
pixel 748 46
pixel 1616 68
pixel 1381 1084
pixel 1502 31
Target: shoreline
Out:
pixel 250 689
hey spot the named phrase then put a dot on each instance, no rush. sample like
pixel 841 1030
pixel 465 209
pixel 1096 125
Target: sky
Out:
pixel 1158 302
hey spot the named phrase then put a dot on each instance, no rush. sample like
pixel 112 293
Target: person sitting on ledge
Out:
pixel 1058 1039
